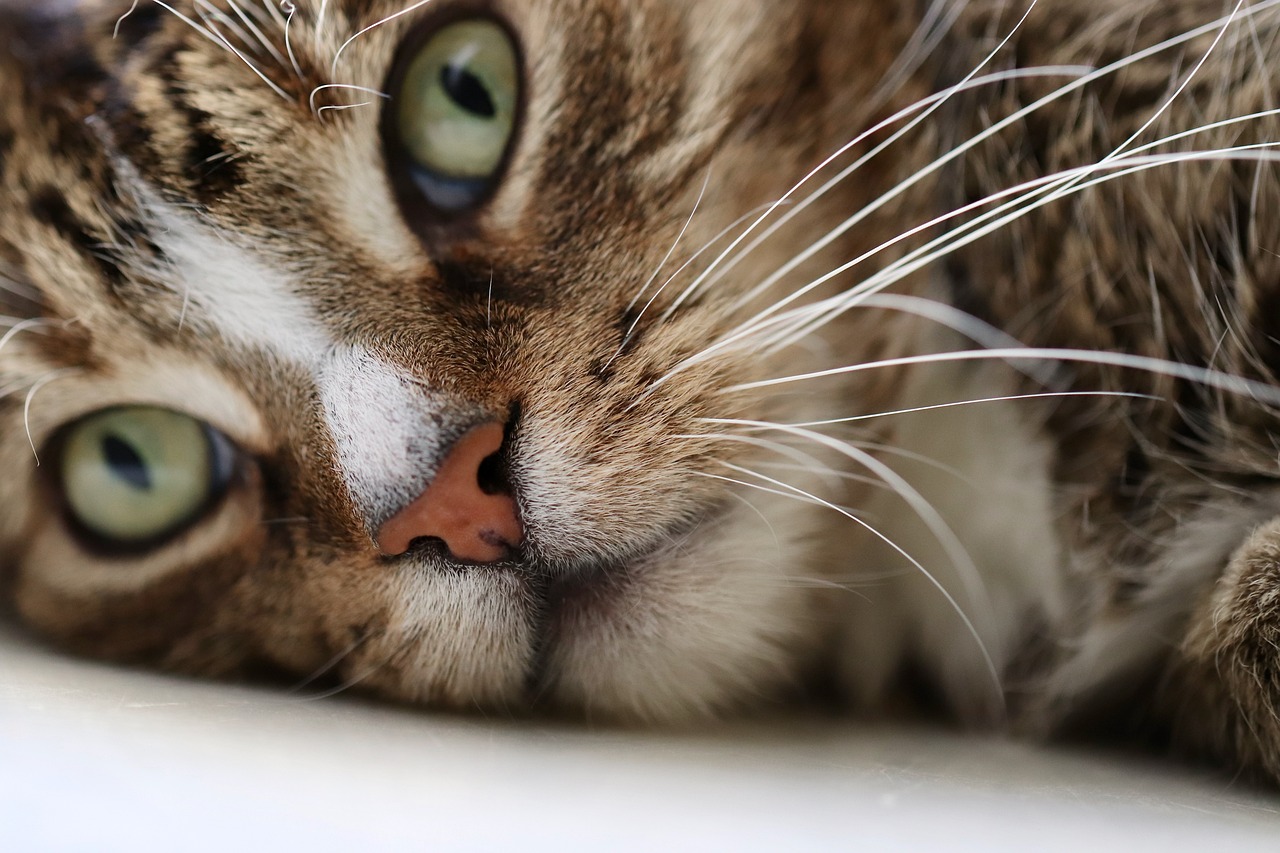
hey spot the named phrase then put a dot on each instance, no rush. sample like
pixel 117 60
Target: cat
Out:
pixel 654 360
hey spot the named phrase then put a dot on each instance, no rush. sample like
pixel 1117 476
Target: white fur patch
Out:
pixel 390 432
pixel 248 301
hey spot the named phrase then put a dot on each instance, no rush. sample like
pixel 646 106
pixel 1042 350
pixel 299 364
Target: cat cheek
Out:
pixel 139 608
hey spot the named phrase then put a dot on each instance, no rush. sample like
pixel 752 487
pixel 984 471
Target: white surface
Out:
pixel 93 758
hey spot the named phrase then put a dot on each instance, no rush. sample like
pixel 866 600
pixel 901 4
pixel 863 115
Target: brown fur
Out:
pixel 144 178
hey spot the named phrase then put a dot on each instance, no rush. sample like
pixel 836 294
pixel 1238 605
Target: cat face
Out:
pixel 270 275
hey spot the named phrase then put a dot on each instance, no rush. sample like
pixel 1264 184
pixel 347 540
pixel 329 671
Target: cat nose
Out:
pixel 477 522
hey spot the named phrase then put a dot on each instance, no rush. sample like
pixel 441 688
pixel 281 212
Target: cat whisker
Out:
pixel 367 672
pixel 22 326
pixel 1164 107
pixel 287 27
pixel 1049 395
pixel 406 11
pixel 329 665
pixel 320 16
pixel 930 32
pixel 858 452
pixel 804 461
pixel 808 318
pixel 791 492
pixel 928 106
pixel 338 108
pixel 932 251
pixel 488 305
pixel 835 584
pixel 715 240
pixel 364 89
pixel 645 287
pixel 133 7
pixel 266 42
pixel 36 388
pixel 938 100
pixel 777 543
pixel 626 338
pixel 274 7
pixel 848 583
pixel 206 11
pixel 970 626
pixel 220 40
pixel 932 519
pixel 1027 196
pixel 835 473
pixel 1259 391
pixel 967 233
pixel 1075 85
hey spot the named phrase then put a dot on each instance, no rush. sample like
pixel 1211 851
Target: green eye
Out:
pixel 134 477
pixel 455 111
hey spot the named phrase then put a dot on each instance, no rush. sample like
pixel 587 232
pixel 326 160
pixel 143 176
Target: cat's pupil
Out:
pixel 467 91
pixel 126 463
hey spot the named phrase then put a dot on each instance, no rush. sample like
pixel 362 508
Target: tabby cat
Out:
pixel 651 360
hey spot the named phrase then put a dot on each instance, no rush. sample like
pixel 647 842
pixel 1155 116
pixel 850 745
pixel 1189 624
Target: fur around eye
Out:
pixel 454 113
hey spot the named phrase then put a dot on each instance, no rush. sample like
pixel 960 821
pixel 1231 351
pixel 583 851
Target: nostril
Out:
pixel 468 504
pixel 492 476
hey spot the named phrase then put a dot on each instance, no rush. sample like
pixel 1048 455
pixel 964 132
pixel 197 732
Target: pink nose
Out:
pixel 476 526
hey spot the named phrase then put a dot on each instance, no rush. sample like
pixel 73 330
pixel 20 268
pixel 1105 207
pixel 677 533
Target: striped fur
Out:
pixel 196 213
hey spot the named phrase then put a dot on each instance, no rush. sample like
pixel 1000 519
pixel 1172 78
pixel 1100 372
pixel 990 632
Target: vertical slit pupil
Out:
pixel 126 463
pixel 467 91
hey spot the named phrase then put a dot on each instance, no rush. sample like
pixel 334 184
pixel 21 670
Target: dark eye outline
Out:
pixel 424 217
pixel 227 469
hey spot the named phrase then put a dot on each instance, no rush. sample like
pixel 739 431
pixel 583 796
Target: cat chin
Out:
pixel 708 625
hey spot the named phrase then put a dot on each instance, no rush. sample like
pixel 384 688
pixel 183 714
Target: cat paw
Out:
pixel 1225 690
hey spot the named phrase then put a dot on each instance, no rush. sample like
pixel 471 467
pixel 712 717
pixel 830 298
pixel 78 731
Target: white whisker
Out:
pixel 626 338
pixel 994 129
pixel 804 461
pixel 273 9
pixel 328 666
pixel 23 326
pixel 984 225
pixel 218 39
pixel 970 627
pixel 40 384
pixel 324 8
pixel 133 7
pixel 1052 395
pixel 1163 108
pixel 406 11
pixel 941 531
pixel 777 543
pixel 1043 190
pixel 1258 391
pixel 930 105
pixel 807 319
pixel 363 89
pixel 208 10
pixel 287 26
